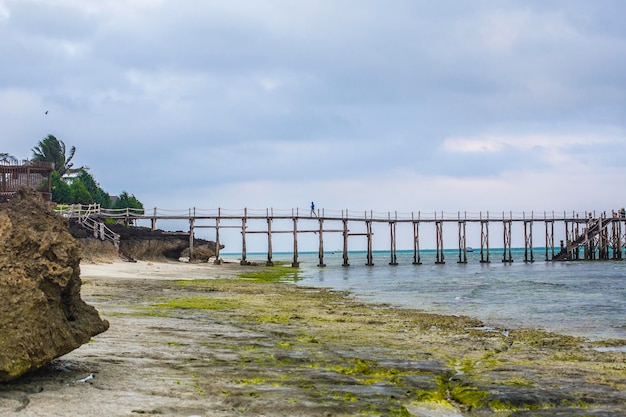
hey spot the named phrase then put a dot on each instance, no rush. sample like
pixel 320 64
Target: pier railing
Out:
pixel 90 217
pixel 78 210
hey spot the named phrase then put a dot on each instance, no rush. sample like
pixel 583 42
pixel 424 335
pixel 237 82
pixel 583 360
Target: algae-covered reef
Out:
pixel 264 347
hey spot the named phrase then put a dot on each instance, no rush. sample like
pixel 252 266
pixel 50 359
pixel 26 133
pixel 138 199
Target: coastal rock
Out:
pixel 42 315
pixel 145 244
pixel 201 252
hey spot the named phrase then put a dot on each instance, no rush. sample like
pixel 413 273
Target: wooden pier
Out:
pixel 587 235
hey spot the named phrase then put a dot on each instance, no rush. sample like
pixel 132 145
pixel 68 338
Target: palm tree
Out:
pixel 7 159
pixel 51 149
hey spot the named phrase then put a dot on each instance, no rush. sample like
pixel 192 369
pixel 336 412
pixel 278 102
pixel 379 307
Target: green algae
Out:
pixel 252 381
pixel 334 321
pixel 359 366
pixel 277 273
pixel 468 395
pixel 210 284
pixel 274 318
pixel 201 303
pixel 517 381
pixel 543 339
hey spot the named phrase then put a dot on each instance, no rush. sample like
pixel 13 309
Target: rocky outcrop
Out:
pixel 148 245
pixel 41 315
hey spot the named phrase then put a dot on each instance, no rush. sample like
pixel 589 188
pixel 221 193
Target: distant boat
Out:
pixel 469 249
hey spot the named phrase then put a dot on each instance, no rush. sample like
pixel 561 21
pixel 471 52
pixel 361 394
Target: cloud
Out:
pixel 406 105
pixel 555 142
pixel 4 12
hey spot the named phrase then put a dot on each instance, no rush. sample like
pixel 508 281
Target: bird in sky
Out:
pixel 46 112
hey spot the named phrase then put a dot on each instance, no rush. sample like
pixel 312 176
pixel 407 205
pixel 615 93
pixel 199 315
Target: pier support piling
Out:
pixel 601 243
pixel 295 263
pixel 417 260
pixel 345 243
pixel 392 232
pixel 153 220
pixel 462 243
pixel 191 232
pixel 439 243
pixel 507 255
pixel 244 226
pixel 575 236
pixel 528 241
pixel 370 256
pixel 616 239
pixel 217 261
pixel 549 239
pixel 321 263
pixel 484 242
pixel 269 243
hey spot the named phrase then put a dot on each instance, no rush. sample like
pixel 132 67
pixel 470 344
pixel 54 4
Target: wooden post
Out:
pixel 153 221
pixel 439 243
pixel 588 249
pixel 321 263
pixel 417 260
pixel 345 243
pixel 568 241
pixel 603 238
pixel 616 228
pixel 269 242
pixel 370 257
pixel 462 243
pixel 575 236
pixel 392 231
pixel 191 224
pixel 549 239
pixel 244 226
pixel 620 243
pixel 507 255
pixel 295 263
pixel 217 260
pixel 484 241
pixel 528 241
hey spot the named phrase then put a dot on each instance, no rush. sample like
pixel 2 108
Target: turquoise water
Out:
pixel 577 298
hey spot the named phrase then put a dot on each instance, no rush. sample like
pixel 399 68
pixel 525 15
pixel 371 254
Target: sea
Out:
pixel 578 298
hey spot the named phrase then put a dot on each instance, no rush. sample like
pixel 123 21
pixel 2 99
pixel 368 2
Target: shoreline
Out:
pixel 189 339
pixel 502 295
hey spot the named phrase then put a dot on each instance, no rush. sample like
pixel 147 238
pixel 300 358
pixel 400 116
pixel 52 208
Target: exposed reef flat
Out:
pixel 192 339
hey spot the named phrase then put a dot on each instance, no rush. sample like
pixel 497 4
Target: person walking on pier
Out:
pixel 312 209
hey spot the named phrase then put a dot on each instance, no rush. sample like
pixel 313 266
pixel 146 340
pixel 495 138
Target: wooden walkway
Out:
pixel 587 235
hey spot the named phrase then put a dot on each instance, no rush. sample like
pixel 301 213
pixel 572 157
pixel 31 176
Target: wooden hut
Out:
pixel 36 175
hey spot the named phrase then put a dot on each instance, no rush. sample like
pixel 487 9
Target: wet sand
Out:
pixel 194 340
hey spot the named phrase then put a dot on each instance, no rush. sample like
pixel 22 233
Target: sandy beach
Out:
pixel 195 340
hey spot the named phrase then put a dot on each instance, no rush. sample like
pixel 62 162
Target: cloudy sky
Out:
pixel 356 104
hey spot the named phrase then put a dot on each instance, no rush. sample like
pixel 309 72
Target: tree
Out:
pixel 8 159
pixel 83 189
pixel 126 200
pixel 98 195
pixel 50 149
pixel 61 193
pixel 80 194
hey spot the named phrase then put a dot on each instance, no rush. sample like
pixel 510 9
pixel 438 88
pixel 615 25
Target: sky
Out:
pixel 395 105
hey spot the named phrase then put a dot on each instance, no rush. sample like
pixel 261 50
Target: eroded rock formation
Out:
pixel 41 314
pixel 144 244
